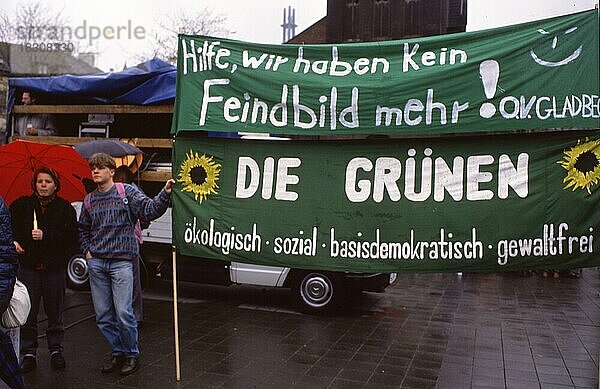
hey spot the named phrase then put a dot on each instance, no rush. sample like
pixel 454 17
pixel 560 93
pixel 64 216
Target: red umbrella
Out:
pixel 19 159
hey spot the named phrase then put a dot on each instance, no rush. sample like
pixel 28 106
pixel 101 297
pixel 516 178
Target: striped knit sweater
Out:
pixel 106 231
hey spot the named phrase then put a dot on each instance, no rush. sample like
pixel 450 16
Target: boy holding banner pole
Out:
pixel 106 230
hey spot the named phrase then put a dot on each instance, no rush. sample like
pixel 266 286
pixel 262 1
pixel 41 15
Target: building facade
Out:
pixel 378 20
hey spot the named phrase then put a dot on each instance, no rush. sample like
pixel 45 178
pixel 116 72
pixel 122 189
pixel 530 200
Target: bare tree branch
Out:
pixel 34 23
pixel 203 22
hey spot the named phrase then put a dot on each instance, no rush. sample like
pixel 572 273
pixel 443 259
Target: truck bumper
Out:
pixel 371 282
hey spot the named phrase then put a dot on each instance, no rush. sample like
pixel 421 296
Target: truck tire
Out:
pixel 317 292
pixel 77 273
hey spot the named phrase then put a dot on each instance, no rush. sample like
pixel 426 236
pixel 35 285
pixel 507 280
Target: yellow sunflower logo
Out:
pixel 582 164
pixel 199 175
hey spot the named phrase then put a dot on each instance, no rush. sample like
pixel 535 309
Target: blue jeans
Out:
pixel 111 281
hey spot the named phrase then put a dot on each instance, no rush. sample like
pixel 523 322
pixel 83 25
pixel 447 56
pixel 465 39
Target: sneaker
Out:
pixel 114 364
pixel 27 364
pixel 130 366
pixel 57 361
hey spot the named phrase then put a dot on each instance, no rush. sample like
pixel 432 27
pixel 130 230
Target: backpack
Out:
pixel 137 227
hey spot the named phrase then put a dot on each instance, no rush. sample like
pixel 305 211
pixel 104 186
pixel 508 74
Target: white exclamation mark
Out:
pixel 489 71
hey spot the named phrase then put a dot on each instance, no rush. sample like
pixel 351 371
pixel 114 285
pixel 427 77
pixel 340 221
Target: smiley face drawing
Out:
pixel 563 54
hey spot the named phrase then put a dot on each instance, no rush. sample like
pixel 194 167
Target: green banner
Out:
pixel 541 74
pixel 471 203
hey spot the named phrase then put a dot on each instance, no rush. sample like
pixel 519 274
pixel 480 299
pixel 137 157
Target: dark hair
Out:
pixel 102 160
pixel 33 95
pixel 48 171
pixel 123 174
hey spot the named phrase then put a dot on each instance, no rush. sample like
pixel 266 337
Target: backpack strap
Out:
pixel 121 190
pixel 137 229
pixel 87 201
pixel 123 196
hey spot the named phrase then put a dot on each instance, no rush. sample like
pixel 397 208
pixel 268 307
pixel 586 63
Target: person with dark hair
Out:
pixel 9 265
pixel 124 175
pixel 107 235
pixel 45 232
pixel 34 124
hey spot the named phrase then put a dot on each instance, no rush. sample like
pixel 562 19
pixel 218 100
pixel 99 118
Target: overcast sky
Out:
pixel 260 20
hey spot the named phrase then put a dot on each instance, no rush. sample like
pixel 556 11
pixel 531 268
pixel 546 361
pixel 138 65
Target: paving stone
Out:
pixel 428 330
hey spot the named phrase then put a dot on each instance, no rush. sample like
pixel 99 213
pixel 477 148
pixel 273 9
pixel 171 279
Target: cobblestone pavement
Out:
pixel 426 331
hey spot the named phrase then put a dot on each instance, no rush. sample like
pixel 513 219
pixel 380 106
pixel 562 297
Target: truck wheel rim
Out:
pixel 78 271
pixel 316 290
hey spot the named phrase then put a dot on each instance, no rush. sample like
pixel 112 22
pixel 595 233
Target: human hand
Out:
pixel 37 234
pixel 169 185
pixel 88 255
pixel 18 247
pixel 32 131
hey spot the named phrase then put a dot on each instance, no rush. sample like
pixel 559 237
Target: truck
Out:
pixel 146 109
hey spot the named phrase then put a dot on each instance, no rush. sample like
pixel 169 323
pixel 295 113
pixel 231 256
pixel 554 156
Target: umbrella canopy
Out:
pixel 19 159
pixel 112 147
pixel 123 153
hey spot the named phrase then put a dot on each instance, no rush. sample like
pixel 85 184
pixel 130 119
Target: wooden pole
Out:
pixel 176 317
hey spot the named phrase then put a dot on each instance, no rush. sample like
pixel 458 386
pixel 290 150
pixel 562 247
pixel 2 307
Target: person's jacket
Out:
pixel 8 258
pixel 59 225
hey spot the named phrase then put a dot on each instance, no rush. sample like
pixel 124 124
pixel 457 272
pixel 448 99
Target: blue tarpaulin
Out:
pixel 151 82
